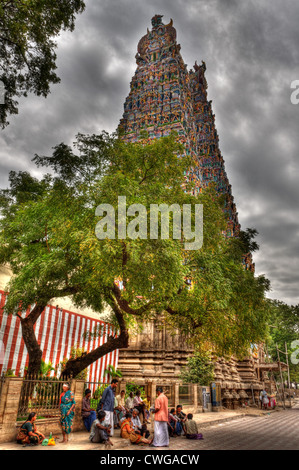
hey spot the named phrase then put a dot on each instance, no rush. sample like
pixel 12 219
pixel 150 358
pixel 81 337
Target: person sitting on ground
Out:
pixel 100 430
pixel 129 403
pixel 182 418
pixel 139 405
pixel 172 423
pixel 127 432
pixel 28 434
pixel 137 426
pixel 88 413
pixel 191 428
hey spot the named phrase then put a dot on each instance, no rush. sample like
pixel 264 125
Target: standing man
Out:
pixel 161 437
pixel 107 403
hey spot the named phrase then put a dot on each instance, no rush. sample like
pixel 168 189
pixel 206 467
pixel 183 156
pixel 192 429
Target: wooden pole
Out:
pixel 289 380
pixel 282 384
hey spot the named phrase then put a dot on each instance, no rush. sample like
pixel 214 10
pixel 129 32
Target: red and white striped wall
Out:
pixel 56 330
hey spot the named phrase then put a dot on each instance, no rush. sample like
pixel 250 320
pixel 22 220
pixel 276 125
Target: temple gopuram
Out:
pixel 164 97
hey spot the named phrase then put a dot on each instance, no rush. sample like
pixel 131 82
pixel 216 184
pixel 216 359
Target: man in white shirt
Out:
pixel 139 405
pixel 137 426
pixel 129 402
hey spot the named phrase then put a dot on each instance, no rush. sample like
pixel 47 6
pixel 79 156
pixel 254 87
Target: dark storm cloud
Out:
pixel 251 49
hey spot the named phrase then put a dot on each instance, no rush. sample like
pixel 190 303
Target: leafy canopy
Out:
pixel 284 330
pixel 48 238
pixel 27 46
pixel 199 369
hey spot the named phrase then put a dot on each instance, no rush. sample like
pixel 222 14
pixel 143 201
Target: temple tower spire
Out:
pixel 164 97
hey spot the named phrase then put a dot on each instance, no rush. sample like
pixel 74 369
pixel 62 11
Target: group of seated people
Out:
pixel 179 423
pixel 127 416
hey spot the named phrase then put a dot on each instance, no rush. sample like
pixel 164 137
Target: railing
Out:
pixel 40 395
pixel 186 394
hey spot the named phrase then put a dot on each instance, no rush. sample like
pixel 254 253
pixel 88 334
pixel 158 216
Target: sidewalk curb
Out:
pixel 221 420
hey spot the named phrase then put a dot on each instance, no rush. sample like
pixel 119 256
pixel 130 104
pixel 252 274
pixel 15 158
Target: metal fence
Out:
pixel 186 394
pixel 40 395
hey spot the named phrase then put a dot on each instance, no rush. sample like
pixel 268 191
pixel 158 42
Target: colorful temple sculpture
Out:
pixel 164 97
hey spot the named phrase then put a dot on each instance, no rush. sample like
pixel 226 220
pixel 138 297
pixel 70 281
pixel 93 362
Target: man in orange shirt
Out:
pixel 161 436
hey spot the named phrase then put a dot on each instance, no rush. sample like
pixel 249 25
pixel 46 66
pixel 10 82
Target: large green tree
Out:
pixel 284 330
pixel 199 369
pixel 28 29
pixel 48 238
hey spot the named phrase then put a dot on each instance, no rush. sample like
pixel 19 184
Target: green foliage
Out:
pixel 46 368
pixel 47 235
pixel 76 352
pixel 28 30
pixel 113 372
pixel 133 387
pixel 199 369
pixel 284 329
pixel 10 373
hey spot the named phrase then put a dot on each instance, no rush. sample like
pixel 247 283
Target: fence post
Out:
pixel 195 400
pixel 10 398
pixel 176 394
pixel 77 388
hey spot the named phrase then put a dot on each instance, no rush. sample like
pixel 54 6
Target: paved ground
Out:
pixel 222 431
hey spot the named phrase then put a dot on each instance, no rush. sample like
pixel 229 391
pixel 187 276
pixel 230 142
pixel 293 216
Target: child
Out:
pixel 191 428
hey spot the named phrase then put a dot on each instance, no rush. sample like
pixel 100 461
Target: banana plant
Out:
pixel 113 372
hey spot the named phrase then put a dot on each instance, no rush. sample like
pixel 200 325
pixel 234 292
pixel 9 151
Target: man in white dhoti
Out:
pixel 161 436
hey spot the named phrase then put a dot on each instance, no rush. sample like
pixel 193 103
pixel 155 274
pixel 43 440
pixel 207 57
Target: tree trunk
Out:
pixel 33 348
pixel 74 366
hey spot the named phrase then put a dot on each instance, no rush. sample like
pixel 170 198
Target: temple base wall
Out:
pixel 158 357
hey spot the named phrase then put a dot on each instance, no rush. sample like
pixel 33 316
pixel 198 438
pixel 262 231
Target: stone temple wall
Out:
pixel 156 354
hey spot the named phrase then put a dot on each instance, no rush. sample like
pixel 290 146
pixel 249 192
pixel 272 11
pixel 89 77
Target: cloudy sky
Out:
pixel 251 49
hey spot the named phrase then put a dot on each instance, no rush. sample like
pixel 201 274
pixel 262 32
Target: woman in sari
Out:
pixel 28 434
pixel 127 432
pixel 67 406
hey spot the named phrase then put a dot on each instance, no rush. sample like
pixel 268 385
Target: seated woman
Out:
pixel 127 432
pixel 28 433
pixel 100 430
pixel 190 428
